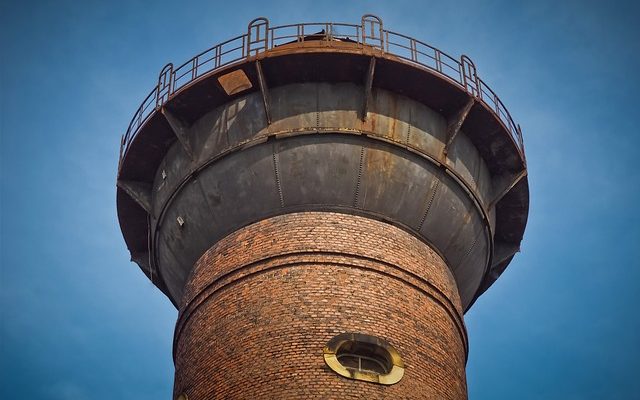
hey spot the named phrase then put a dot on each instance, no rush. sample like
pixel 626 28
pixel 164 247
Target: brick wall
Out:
pixel 262 303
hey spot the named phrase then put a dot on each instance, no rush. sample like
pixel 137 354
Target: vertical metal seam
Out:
pixel 409 128
pixel 473 245
pixel 277 175
pixel 475 177
pixel 433 195
pixel 355 199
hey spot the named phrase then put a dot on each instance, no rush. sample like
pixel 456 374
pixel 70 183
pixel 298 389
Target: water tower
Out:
pixel 322 202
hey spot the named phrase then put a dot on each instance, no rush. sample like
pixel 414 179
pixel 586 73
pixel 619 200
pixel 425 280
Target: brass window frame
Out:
pixel 331 350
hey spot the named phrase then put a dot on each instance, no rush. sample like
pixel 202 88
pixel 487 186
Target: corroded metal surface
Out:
pixel 368 35
pixel 323 124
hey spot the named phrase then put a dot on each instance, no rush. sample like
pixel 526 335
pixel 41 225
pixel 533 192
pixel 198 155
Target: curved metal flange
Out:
pixel 282 208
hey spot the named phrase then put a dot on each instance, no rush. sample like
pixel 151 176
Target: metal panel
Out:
pixel 395 183
pixel 220 200
pixel 472 268
pixel 389 116
pixel 293 107
pixel 338 105
pixel 428 129
pixel 470 233
pixel 464 158
pixel 246 119
pixel 319 170
pixel 172 170
pixel 446 217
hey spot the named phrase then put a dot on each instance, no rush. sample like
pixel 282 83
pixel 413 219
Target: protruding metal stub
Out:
pixel 454 124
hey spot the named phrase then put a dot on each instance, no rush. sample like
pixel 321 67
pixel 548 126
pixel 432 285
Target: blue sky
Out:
pixel 79 321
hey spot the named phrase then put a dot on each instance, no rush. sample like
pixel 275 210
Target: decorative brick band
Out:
pixel 321 259
pixel 262 303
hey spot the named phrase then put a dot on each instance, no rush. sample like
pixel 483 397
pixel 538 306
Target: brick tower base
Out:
pixel 262 303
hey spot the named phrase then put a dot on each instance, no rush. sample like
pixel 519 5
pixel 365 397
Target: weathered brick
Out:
pixel 262 303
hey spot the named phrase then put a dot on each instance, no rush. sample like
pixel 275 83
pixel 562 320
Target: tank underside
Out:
pixel 341 129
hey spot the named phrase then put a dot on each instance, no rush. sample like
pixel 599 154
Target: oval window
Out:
pixel 364 357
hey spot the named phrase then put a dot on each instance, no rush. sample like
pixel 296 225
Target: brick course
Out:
pixel 262 303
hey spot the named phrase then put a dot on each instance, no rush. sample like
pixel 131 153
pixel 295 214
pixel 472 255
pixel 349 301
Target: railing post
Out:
pixel 216 55
pixel 139 113
pixel 414 50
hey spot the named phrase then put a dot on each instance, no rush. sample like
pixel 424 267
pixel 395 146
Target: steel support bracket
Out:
pixel 503 184
pixel 140 192
pixel 454 124
pixel 367 88
pixel 264 90
pixel 180 130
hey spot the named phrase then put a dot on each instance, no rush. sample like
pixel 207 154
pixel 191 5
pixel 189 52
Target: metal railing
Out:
pixel 260 38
